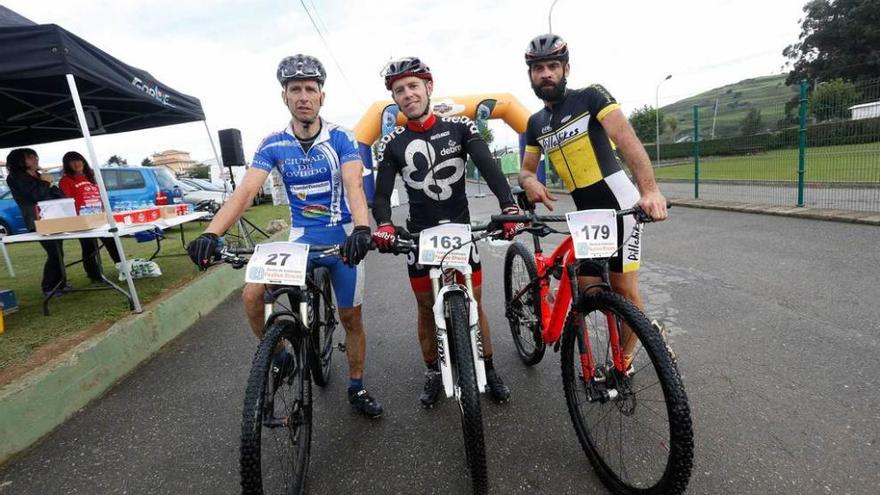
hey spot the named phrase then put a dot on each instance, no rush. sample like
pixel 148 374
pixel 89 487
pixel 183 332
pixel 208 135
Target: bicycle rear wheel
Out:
pixel 635 427
pixel 524 312
pixel 323 324
pixel 276 425
pixel 469 400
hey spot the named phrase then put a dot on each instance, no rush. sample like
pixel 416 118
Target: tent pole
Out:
pixel 216 156
pixel 84 126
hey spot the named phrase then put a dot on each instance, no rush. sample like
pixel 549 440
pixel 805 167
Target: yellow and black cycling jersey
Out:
pixel 572 136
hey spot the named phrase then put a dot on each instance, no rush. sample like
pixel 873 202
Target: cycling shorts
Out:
pixel 615 192
pixel 347 281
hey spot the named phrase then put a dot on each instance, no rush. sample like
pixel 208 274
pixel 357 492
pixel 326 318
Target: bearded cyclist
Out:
pixel 577 129
pixel 321 168
pixel 430 154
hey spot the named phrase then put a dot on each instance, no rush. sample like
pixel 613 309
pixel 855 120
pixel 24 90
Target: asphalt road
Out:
pixel 774 321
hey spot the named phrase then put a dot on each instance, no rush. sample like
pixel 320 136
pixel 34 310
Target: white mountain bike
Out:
pixel 447 248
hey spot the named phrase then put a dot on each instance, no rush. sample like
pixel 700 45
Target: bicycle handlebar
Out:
pixel 636 211
pixel 237 256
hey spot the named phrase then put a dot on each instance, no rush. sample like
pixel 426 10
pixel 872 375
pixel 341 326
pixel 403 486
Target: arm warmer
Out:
pixel 382 196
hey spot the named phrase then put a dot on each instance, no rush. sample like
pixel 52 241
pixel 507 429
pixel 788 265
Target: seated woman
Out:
pixel 78 182
pixel 28 187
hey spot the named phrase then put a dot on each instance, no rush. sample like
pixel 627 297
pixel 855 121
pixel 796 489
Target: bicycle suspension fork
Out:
pixel 440 289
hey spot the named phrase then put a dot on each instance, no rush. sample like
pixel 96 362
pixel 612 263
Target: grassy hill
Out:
pixel 768 94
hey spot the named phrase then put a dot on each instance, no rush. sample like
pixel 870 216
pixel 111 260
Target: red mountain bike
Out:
pixel 624 393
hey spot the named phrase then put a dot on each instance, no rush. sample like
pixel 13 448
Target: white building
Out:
pixel 866 110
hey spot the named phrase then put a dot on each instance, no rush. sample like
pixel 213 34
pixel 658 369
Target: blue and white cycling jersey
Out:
pixel 319 212
pixel 313 180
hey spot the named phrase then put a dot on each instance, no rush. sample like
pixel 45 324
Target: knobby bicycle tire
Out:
pixel 264 467
pixel 466 380
pixel 526 334
pixel 322 327
pixel 667 443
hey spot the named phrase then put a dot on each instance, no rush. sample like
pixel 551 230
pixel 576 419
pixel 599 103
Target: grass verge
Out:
pixel 78 313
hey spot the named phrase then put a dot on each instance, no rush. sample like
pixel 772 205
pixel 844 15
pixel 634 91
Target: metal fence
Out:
pixel 818 146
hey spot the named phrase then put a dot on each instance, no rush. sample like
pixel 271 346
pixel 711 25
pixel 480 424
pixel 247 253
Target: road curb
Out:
pixel 39 401
pixel 846 216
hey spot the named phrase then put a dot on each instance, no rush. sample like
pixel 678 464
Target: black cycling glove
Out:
pixel 203 249
pixel 357 245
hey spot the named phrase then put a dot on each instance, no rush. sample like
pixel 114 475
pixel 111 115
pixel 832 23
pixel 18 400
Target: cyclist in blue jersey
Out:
pixel 322 173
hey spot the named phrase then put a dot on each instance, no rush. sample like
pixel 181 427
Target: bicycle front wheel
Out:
pixel 634 426
pixel 323 325
pixel 523 312
pixel 469 396
pixel 276 425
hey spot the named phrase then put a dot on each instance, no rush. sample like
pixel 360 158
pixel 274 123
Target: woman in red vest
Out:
pixel 78 182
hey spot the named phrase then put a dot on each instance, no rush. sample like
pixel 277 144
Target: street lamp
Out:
pixel 657 116
pixel 549 13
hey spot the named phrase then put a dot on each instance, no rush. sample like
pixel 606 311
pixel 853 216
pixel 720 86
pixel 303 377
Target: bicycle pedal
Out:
pixel 341 347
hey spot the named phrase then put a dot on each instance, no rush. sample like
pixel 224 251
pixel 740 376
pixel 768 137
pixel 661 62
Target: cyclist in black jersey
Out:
pixel 430 155
pixel 577 130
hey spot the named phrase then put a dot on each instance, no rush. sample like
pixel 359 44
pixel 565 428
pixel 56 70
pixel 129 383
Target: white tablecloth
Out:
pixel 162 223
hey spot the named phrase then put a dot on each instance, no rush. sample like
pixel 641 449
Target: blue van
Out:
pixel 11 220
pixel 133 186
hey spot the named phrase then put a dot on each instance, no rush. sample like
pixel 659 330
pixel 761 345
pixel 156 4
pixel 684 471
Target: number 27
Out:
pixel 271 259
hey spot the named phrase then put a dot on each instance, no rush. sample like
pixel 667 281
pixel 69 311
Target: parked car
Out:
pixel 193 193
pixel 11 220
pixel 203 184
pixel 128 186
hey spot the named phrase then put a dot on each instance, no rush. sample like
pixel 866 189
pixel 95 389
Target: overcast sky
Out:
pixel 225 53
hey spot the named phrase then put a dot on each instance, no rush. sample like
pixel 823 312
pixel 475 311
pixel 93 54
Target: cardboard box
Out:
pixel 70 224
pixel 145 215
pixel 168 211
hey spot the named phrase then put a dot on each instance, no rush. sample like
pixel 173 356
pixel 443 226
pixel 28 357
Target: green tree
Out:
pixel 117 160
pixel 792 113
pixel 672 124
pixel 200 171
pixel 644 123
pixel 146 162
pixel 839 38
pixel 832 99
pixel 751 123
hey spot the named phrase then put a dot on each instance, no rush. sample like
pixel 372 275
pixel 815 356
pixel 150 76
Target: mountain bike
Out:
pixel 624 393
pixel 296 348
pixel 447 248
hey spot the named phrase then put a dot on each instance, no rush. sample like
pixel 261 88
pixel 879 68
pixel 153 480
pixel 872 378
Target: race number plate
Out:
pixel 279 263
pixel 594 233
pixel 446 240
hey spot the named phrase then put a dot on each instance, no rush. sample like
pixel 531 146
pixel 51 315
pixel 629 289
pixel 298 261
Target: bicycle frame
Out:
pixel 442 283
pixel 553 320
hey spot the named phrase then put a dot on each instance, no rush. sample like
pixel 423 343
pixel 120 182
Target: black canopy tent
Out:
pixel 56 86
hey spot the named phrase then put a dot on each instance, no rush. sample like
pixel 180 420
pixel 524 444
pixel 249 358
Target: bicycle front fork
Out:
pixel 441 315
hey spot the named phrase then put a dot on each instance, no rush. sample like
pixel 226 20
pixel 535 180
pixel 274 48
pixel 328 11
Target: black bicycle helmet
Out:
pixel 547 47
pixel 301 67
pixel 407 66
